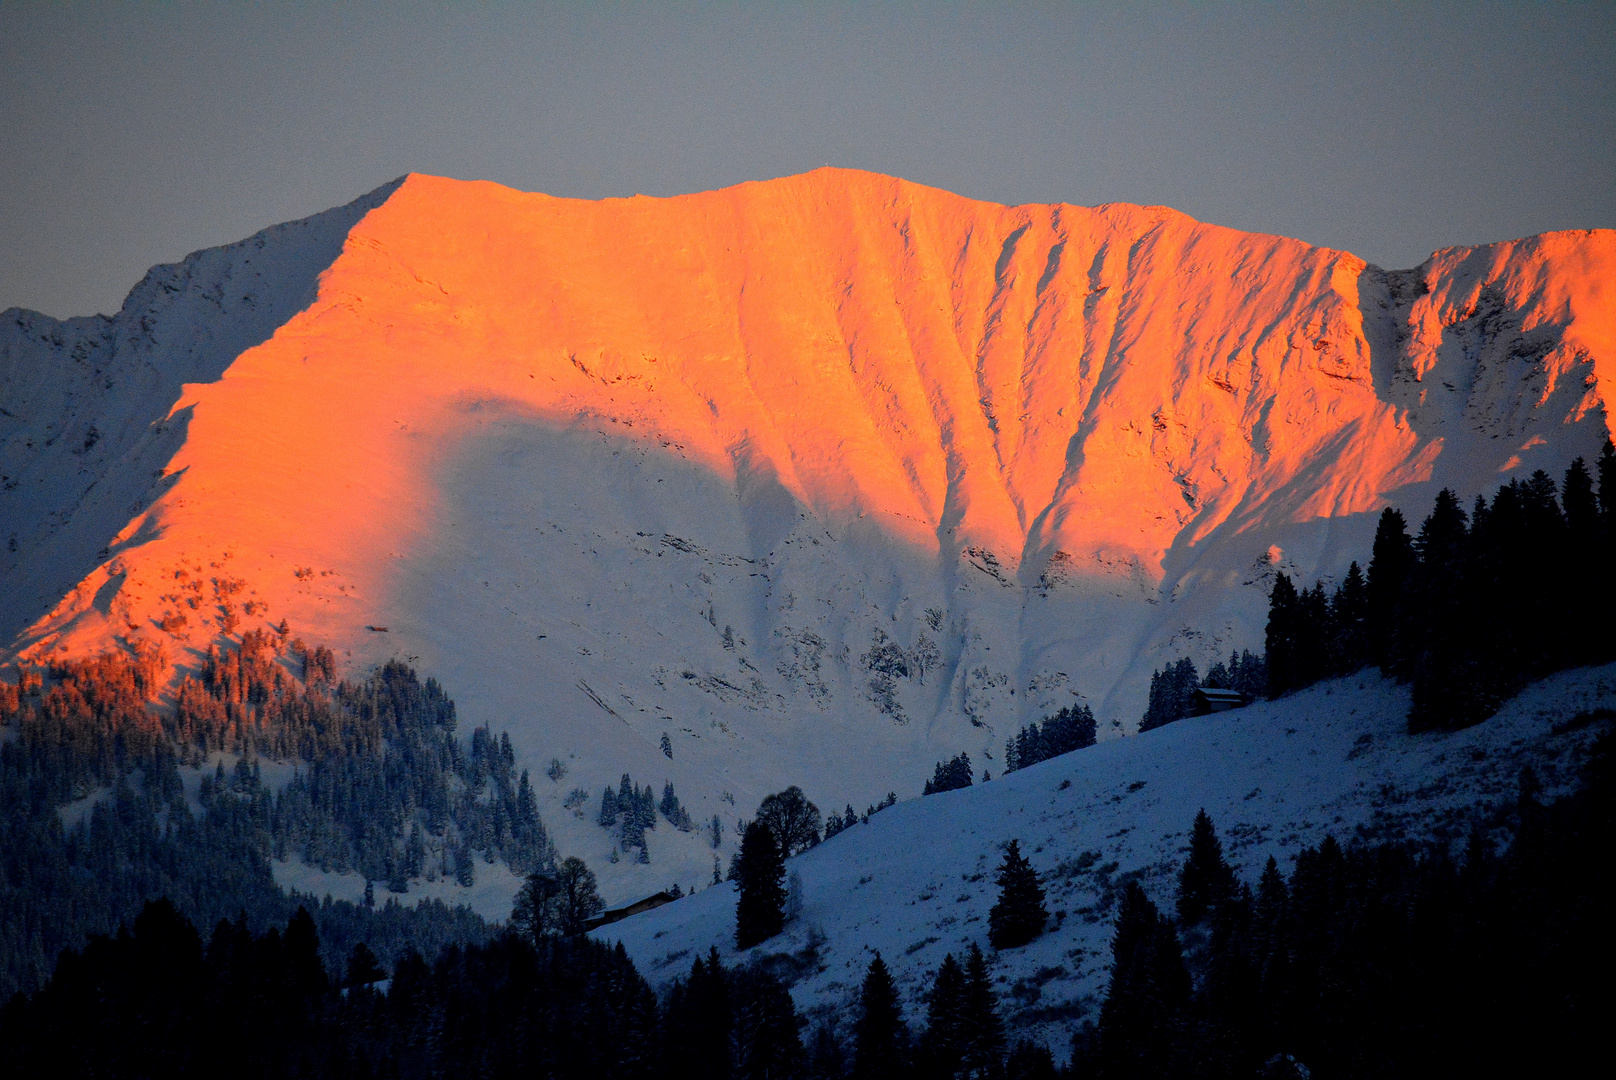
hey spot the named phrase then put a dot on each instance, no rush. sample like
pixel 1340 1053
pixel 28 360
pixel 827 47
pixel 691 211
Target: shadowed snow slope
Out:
pixel 916 881
pixel 828 477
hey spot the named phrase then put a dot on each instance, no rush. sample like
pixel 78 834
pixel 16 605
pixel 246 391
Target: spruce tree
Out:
pixel 1019 914
pixel 699 1018
pixel 1606 469
pixel 1280 637
pixel 950 776
pixel 362 967
pixel 1148 990
pixel 768 1041
pixel 880 1037
pixel 1391 561
pixel 1206 882
pixel 1313 633
pixel 983 1030
pixel 760 872
pixel 943 1046
pixel 1156 707
pixel 1349 624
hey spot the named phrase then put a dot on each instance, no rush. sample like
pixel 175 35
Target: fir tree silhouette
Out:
pixel 880 1037
pixel 1019 915
pixel 1206 881
pixel 760 871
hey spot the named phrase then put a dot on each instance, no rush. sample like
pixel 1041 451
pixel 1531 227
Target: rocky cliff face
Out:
pixel 828 475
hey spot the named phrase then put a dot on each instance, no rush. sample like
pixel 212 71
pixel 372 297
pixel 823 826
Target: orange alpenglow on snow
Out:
pixel 1046 439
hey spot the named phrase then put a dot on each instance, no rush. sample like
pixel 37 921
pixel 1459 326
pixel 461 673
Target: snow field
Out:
pixel 916 882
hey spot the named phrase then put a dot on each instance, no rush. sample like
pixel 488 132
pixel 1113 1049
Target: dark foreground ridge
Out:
pixel 1367 961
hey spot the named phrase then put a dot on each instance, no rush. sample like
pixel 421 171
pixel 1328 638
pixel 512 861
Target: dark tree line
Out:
pixel 1070 729
pixel 1172 689
pixel 1382 961
pixel 1373 961
pixel 154 1000
pixel 381 786
pixel 1471 608
pixel 850 817
pixel 950 775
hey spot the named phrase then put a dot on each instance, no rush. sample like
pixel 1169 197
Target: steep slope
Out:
pixel 827 477
pixel 1276 778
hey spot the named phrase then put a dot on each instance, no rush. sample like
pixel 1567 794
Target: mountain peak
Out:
pixel 835 445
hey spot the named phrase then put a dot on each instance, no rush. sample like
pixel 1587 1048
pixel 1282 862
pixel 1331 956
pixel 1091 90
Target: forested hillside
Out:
pixel 113 799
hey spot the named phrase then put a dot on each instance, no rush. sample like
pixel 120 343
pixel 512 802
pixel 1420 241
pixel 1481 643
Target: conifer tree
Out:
pixel 983 1030
pixel 303 953
pixel 760 872
pixel 1272 897
pixel 1148 989
pixel 1391 561
pixel 950 775
pixel 1349 624
pixel 363 968
pixel 1031 1061
pixel 1312 643
pixel 1281 637
pixel 1581 509
pixel 1172 694
pixel 1019 914
pixel 1205 882
pixel 768 1042
pixel 880 1037
pixel 943 1045
pixel 699 1018
pixel 1606 470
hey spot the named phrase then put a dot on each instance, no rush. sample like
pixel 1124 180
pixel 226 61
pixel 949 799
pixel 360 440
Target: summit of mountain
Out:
pixel 826 477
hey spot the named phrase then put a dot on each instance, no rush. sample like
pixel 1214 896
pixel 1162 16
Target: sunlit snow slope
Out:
pixel 827 477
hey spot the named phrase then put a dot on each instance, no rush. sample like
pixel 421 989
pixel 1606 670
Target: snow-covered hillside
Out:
pixel 826 478
pixel 916 881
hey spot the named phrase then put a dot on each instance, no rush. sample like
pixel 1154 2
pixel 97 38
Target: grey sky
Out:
pixel 133 134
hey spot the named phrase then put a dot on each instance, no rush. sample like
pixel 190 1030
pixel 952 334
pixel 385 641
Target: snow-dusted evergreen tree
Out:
pixel 609 810
pixel 677 815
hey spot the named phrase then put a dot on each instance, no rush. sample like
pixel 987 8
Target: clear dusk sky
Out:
pixel 132 134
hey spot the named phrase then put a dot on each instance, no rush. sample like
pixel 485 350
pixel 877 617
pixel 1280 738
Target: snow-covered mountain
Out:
pixel 826 477
pixel 917 880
